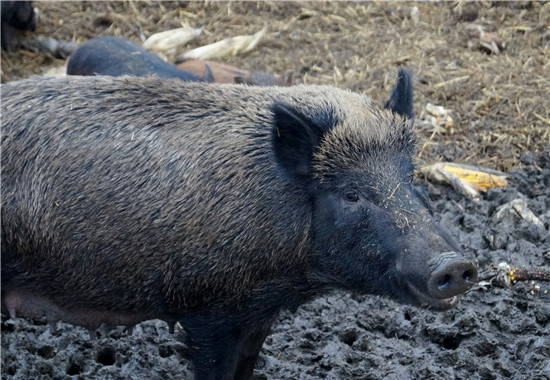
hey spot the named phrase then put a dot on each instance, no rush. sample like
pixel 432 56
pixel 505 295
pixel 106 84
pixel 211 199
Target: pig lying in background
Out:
pixel 117 56
pixel 221 73
pixel 126 199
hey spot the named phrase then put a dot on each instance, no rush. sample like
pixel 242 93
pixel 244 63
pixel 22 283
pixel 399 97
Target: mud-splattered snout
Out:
pixel 452 275
pixel 447 276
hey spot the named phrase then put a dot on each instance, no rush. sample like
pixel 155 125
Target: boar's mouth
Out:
pixel 425 300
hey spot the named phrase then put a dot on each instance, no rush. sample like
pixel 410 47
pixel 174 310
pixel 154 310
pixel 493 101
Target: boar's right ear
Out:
pixel 401 98
pixel 295 137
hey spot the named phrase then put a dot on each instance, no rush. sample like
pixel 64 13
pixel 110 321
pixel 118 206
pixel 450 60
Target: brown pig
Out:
pixel 222 73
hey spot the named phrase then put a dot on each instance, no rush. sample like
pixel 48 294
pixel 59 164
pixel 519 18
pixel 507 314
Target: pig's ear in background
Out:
pixel 208 76
pixel 401 98
pixel 295 137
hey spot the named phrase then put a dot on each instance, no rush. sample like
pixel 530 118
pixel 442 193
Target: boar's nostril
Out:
pixel 444 281
pixel 454 275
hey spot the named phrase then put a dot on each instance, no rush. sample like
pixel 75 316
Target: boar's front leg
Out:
pixel 224 348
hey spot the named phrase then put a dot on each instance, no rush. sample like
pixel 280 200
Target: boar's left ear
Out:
pixel 295 137
pixel 401 98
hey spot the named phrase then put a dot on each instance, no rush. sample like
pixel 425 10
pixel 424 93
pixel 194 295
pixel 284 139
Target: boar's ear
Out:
pixel 401 98
pixel 295 137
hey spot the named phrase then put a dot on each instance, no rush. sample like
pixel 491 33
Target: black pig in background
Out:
pixel 126 199
pixel 117 56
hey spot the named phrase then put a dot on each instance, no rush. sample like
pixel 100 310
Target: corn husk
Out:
pixel 440 117
pixel 467 179
pixel 415 15
pixel 168 41
pixel 224 48
pixel 484 40
pixel 498 275
pixel 518 207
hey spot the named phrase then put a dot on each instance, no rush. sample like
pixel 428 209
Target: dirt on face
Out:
pixel 499 103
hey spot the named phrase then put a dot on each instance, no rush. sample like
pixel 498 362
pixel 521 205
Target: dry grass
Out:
pixel 500 101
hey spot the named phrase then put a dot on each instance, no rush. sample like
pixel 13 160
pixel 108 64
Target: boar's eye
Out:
pixel 351 197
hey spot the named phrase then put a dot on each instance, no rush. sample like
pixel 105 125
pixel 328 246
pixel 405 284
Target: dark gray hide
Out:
pixel 126 199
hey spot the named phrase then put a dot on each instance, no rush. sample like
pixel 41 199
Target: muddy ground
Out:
pixel 501 119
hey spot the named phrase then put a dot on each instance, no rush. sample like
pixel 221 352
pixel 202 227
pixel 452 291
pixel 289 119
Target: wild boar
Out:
pixel 117 56
pixel 126 199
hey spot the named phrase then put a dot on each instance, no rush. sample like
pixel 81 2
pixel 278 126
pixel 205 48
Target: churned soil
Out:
pixel 499 103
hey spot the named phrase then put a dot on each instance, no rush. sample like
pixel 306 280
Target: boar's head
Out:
pixel 371 230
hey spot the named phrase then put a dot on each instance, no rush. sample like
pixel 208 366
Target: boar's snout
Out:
pixel 452 275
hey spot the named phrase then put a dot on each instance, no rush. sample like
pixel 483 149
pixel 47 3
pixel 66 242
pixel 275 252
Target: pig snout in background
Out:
pixel 222 73
pixel 18 15
pixel 213 205
pixel 117 56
